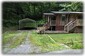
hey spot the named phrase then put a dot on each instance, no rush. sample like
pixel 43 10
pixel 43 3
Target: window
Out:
pixel 63 17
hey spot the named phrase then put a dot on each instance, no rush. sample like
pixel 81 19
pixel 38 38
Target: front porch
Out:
pixel 55 32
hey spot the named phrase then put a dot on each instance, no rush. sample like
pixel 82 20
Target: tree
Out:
pixel 74 6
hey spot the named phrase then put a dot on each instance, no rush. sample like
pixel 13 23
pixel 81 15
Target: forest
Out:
pixel 15 11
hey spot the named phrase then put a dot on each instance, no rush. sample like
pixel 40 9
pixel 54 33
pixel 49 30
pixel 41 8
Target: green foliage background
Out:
pixel 12 12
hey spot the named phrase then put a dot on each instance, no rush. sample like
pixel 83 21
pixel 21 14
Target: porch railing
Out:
pixel 69 26
pixel 44 27
pixel 47 25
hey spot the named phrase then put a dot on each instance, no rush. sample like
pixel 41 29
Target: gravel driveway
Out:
pixel 25 48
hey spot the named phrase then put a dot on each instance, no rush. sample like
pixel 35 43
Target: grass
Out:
pixel 73 40
pixel 11 38
pixel 50 42
pixel 8 36
pixel 45 42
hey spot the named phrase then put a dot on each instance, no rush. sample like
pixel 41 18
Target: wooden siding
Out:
pixel 79 22
pixel 58 20
pixel 72 17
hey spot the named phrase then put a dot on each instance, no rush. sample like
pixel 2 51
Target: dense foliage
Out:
pixel 14 11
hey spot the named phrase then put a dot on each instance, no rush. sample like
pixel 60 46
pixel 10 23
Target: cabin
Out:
pixel 63 22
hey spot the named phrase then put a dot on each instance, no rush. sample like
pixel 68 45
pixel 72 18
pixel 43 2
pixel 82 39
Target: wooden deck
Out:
pixel 55 32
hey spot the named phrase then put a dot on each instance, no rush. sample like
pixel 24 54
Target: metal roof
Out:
pixel 55 12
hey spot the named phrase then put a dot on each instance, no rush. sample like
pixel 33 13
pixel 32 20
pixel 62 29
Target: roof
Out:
pixel 55 12
pixel 48 13
pixel 27 20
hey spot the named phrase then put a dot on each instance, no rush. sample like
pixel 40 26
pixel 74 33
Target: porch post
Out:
pixel 48 19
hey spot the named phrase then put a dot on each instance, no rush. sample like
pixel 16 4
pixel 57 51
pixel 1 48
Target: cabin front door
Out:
pixel 59 27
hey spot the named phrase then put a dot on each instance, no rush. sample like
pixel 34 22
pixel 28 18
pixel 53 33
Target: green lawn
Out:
pixel 50 42
pixel 73 40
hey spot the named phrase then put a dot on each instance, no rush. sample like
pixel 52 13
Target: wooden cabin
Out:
pixel 63 22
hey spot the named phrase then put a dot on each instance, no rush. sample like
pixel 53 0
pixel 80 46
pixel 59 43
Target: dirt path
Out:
pixel 25 48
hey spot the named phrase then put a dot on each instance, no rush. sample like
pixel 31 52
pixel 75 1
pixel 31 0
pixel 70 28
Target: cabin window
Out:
pixel 63 17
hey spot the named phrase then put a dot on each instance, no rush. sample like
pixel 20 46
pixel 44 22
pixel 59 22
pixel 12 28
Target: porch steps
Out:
pixel 55 32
